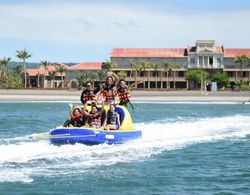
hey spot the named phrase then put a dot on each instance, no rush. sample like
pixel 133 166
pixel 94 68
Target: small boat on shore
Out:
pixel 90 136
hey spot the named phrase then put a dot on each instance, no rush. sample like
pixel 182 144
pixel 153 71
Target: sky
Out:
pixel 87 30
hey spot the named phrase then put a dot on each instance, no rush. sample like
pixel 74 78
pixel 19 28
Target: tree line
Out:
pixel 13 78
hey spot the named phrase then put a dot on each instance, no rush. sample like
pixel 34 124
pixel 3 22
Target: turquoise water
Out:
pixel 185 149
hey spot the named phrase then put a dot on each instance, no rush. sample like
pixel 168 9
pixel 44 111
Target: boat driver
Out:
pixel 89 93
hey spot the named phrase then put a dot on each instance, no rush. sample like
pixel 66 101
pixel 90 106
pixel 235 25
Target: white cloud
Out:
pixel 123 25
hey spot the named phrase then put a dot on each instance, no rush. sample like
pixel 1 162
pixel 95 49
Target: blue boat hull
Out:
pixel 66 135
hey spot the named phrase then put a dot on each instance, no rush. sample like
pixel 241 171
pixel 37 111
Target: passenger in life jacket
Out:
pixel 123 93
pixel 94 117
pixel 109 88
pixel 112 121
pixel 76 118
pixel 89 93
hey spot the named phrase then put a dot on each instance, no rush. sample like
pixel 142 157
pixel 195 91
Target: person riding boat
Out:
pixel 89 93
pixel 123 93
pixel 94 117
pixel 109 88
pixel 113 119
pixel 76 118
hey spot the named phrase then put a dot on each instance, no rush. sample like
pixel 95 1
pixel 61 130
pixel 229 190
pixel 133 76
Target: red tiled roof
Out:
pixel 217 49
pixel 230 52
pixel 32 72
pixel 41 70
pixel 87 66
pixel 64 65
pixel 51 67
pixel 148 52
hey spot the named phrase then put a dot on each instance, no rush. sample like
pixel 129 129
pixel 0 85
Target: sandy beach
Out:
pixel 175 96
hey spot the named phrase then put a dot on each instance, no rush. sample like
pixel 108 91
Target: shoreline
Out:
pixel 165 96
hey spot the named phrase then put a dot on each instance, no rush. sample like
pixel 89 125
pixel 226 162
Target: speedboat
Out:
pixel 90 136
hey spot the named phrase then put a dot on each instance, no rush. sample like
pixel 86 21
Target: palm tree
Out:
pixel 19 69
pixel 84 77
pixel 101 75
pixel 138 69
pixel 121 74
pixel 241 60
pixel 144 65
pixel 4 63
pixel 61 70
pixel 45 64
pixel 109 65
pixel 168 66
pixel 52 75
pixel 155 68
pixel 133 64
pixel 23 55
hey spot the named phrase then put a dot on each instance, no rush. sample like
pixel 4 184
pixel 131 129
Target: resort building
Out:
pixel 91 69
pixel 49 77
pixel 46 77
pixel 161 68
pixel 205 55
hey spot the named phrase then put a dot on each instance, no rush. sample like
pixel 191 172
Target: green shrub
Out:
pixel 221 79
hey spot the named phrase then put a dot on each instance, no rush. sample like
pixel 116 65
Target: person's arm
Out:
pixel 118 120
pixel 116 95
pixel 116 78
pixel 102 108
pixel 84 112
pixel 82 98
pixel 104 122
pixel 97 89
pixel 100 94
pixel 128 94
pixel 70 110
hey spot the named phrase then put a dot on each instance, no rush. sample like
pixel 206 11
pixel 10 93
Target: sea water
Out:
pixel 186 148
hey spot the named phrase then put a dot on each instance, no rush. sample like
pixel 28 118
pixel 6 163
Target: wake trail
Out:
pixel 41 157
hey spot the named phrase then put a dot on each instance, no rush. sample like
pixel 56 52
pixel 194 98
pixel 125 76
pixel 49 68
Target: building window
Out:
pixel 211 60
pixel 181 74
pixel 218 60
pixel 155 74
pixel 206 60
pixel 200 60
pixel 192 60
pixel 168 74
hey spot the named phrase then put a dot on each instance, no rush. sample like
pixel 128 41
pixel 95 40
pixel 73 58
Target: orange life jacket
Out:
pixel 109 93
pixel 124 94
pixel 88 95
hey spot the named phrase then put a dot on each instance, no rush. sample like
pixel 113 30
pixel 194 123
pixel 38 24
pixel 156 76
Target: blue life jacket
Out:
pixel 112 118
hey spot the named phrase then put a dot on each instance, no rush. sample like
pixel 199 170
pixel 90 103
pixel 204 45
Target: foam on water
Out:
pixel 22 159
